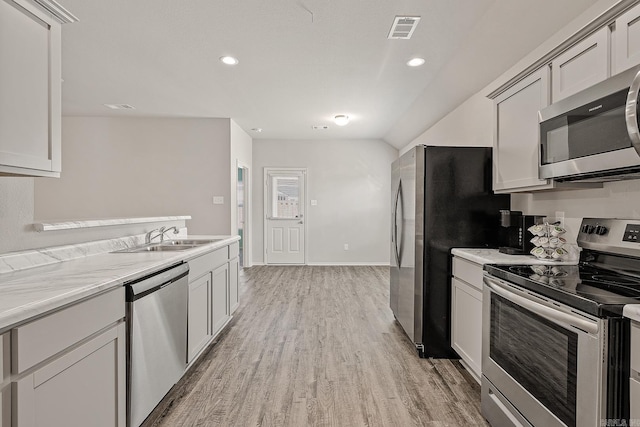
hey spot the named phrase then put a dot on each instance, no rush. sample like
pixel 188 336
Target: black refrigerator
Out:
pixel 441 198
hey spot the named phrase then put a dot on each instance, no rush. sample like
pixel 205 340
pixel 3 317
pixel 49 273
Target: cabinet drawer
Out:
pixel 635 346
pixel 36 341
pixel 234 250
pixel 468 271
pixel 207 262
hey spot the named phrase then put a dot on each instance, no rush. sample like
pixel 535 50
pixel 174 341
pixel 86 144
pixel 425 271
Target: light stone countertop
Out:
pixel 27 294
pixel 492 256
pixel 632 311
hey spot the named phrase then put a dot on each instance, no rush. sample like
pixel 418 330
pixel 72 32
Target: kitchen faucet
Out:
pixel 160 233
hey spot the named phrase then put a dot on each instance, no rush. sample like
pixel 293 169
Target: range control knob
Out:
pixel 588 229
pixel 601 230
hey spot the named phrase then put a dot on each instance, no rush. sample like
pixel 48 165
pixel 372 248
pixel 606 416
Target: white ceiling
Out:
pixel 301 61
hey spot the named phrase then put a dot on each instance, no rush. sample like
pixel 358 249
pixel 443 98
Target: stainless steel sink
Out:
pixel 169 245
pixel 191 242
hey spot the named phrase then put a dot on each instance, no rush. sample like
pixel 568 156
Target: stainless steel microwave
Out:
pixel 593 135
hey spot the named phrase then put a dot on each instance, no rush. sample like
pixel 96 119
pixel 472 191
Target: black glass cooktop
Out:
pixel 593 289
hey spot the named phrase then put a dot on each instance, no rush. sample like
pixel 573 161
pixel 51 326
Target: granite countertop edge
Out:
pixel 29 294
pixel 493 256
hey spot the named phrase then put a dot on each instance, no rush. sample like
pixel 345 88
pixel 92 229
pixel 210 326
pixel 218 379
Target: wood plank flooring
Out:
pixel 318 346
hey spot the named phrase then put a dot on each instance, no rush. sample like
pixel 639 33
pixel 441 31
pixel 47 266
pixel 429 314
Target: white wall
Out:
pixel 136 167
pixel 469 124
pixel 351 180
pixel 16 221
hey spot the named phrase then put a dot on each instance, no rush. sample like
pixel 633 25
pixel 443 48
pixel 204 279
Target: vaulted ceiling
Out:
pixel 301 62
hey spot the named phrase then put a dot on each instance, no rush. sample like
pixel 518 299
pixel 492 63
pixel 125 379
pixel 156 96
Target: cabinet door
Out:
pixel 5 406
pixel 30 84
pixel 5 385
pixel 234 297
pixel 219 302
pixel 581 66
pixel 626 40
pixel 466 325
pixel 84 387
pixel 516 140
pixel 199 314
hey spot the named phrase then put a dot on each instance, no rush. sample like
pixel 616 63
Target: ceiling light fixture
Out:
pixel 415 62
pixel 229 60
pixel 341 119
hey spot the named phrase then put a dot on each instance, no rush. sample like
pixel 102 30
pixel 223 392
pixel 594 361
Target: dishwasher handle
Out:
pixel 139 288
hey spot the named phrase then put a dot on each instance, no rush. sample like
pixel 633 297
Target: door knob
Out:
pixel 300 222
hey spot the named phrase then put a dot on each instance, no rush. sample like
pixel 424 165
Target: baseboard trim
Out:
pixel 326 264
pixel 363 264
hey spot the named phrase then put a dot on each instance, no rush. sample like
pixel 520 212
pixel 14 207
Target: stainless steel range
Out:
pixel 555 344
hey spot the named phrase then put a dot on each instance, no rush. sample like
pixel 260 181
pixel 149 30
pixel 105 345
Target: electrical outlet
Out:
pixel 218 200
pixel 346 246
pixel 314 203
pixel 560 218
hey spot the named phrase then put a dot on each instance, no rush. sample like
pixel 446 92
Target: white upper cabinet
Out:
pixel 581 66
pixel 515 153
pixel 626 40
pixel 30 84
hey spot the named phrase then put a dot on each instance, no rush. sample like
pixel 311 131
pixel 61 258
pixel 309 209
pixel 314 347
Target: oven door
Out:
pixel 542 361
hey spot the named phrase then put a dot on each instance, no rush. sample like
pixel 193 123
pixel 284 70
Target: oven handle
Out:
pixel 540 309
pixel 631 113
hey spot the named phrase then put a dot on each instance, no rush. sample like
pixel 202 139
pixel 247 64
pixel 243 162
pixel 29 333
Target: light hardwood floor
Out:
pixel 318 346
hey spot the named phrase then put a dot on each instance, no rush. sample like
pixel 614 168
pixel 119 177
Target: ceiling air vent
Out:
pixel 403 27
pixel 120 106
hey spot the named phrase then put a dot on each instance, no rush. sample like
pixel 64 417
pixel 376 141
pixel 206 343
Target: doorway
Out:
pixel 242 210
pixel 284 223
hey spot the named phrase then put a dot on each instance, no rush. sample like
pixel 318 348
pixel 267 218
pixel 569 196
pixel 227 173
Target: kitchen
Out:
pixel 82 192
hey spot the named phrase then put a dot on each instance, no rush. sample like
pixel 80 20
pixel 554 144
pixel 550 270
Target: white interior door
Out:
pixel 284 216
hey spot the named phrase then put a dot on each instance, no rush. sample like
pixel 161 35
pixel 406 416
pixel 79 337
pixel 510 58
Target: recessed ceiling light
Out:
pixel 341 119
pixel 229 60
pixel 415 62
pixel 257 130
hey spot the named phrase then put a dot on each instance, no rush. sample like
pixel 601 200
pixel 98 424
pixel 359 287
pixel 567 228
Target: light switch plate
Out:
pixel 218 200
pixel 314 203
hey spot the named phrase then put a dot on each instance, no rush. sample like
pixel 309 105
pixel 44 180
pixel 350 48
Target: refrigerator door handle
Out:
pixel 398 204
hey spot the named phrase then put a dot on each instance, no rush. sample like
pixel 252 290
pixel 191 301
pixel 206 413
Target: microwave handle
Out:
pixel 540 309
pixel 631 113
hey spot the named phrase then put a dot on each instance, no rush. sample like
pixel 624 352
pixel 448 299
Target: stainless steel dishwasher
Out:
pixel 157 338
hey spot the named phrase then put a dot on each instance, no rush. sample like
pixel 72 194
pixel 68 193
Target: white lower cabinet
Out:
pixel 234 296
pixel 213 295
pixel 199 320
pixel 69 368
pixel 220 301
pixel 80 388
pixel 466 314
pixel 5 385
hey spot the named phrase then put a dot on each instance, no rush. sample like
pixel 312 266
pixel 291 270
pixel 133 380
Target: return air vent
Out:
pixel 403 27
